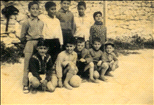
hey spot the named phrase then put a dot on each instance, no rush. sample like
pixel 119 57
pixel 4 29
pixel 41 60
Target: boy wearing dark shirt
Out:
pixel 84 61
pixel 66 18
pixel 40 67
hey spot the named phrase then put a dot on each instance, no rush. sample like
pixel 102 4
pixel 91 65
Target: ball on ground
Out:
pixel 96 74
pixel 75 81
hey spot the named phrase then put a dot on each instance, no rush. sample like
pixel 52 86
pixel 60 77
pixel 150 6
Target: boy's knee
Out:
pixel 91 64
pixel 50 86
pixel 105 65
pixel 54 80
pixel 72 71
pixel 35 82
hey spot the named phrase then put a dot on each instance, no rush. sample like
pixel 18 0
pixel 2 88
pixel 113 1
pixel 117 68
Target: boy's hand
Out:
pixel 44 84
pixel 99 63
pixel 82 60
pixel 60 83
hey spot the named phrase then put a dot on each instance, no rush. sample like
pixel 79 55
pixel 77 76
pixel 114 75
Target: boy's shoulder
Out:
pixel 62 11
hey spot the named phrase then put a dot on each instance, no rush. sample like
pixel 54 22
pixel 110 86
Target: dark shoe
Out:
pixel 34 91
pixel 26 89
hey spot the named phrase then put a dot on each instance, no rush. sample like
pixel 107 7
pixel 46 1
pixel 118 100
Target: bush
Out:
pixel 10 54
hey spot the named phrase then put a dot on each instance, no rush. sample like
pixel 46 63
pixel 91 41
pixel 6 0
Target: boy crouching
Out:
pixel 40 67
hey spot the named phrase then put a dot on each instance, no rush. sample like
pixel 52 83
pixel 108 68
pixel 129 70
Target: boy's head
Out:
pixel 33 8
pixel 80 44
pixel 50 8
pixel 65 4
pixel 97 16
pixel 42 47
pixel 96 43
pixel 109 47
pixel 70 45
pixel 81 8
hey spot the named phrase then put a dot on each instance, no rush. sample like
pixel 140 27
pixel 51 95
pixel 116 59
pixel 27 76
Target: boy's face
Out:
pixel 81 10
pixel 65 5
pixel 80 46
pixel 96 45
pixel 98 17
pixel 34 10
pixel 70 48
pixel 52 11
pixel 42 50
pixel 109 49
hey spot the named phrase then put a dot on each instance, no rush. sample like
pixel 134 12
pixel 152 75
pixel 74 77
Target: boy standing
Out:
pixel 98 29
pixel 52 30
pixel 110 60
pixel 66 18
pixel 83 23
pixel 40 67
pixel 66 64
pixel 30 33
pixel 84 62
pixel 97 56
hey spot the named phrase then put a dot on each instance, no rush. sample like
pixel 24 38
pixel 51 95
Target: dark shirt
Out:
pixel 38 66
pixel 98 30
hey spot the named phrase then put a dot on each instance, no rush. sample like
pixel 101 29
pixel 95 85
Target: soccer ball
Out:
pixel 75 81
pixel 96 75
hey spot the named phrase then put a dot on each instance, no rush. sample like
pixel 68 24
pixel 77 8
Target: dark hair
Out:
pixel 65 0
pixel 70 40
pixel 42 42
pixel 49 4
pixel 96 39
pixel 80 40
pixel 109 43
pixel 98 12
pixel 32 3
pixel 82 3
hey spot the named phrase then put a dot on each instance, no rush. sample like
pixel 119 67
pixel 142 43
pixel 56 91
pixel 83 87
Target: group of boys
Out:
pixel 53 55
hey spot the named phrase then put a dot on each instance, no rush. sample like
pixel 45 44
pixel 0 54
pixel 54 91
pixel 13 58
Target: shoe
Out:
pixel 26 89
pixel 34 91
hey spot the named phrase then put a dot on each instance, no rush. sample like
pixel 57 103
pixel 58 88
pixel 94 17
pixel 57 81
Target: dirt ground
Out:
pixel 132 84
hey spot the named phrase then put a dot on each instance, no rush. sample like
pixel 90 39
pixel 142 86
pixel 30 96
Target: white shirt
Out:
pixel 83 25
pixel 52 28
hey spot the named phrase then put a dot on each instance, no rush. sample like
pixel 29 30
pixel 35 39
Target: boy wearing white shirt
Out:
pixel 83 23
pixel 52 30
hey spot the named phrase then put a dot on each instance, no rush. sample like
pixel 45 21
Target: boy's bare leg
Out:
pixel 67 79
pixel 105 66
pixel 50 87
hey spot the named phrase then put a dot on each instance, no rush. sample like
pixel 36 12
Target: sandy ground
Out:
pixel 132 84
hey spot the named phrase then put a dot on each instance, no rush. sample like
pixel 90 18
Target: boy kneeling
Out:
pixel 66 64
pixel 40 67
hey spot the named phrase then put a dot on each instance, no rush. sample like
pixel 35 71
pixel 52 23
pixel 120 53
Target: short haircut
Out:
pixel 32 3
pixel 42 42
pixel 70 40
pixel 65 0
pixel 49 4
pixel 98 12
pixel 80 40
pixel 109 43
pixel 82 3
pixel 96 40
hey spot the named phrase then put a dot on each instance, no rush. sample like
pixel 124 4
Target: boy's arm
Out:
pixel 34 66
pixel 114 57
pixel 88 57
pixel 73 25
pixel 24 31
pixel 91 34
pixel 60 33
pixel 49 69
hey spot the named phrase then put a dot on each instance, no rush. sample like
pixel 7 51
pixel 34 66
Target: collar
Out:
pixel 62 10
pixel 32 18
pixel 40 57
pixel 98 23
pixel 69 54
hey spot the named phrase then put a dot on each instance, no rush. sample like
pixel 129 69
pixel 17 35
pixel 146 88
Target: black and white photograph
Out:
pixel 77 52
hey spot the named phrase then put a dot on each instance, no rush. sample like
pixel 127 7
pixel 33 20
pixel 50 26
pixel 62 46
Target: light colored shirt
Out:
pixel 52 28
pixel 62 57
pixel 66 20
pixel 109 57
pixel 83 25
pixel 31 28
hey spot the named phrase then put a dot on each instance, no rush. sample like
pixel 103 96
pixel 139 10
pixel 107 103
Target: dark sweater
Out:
pixel 38 66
